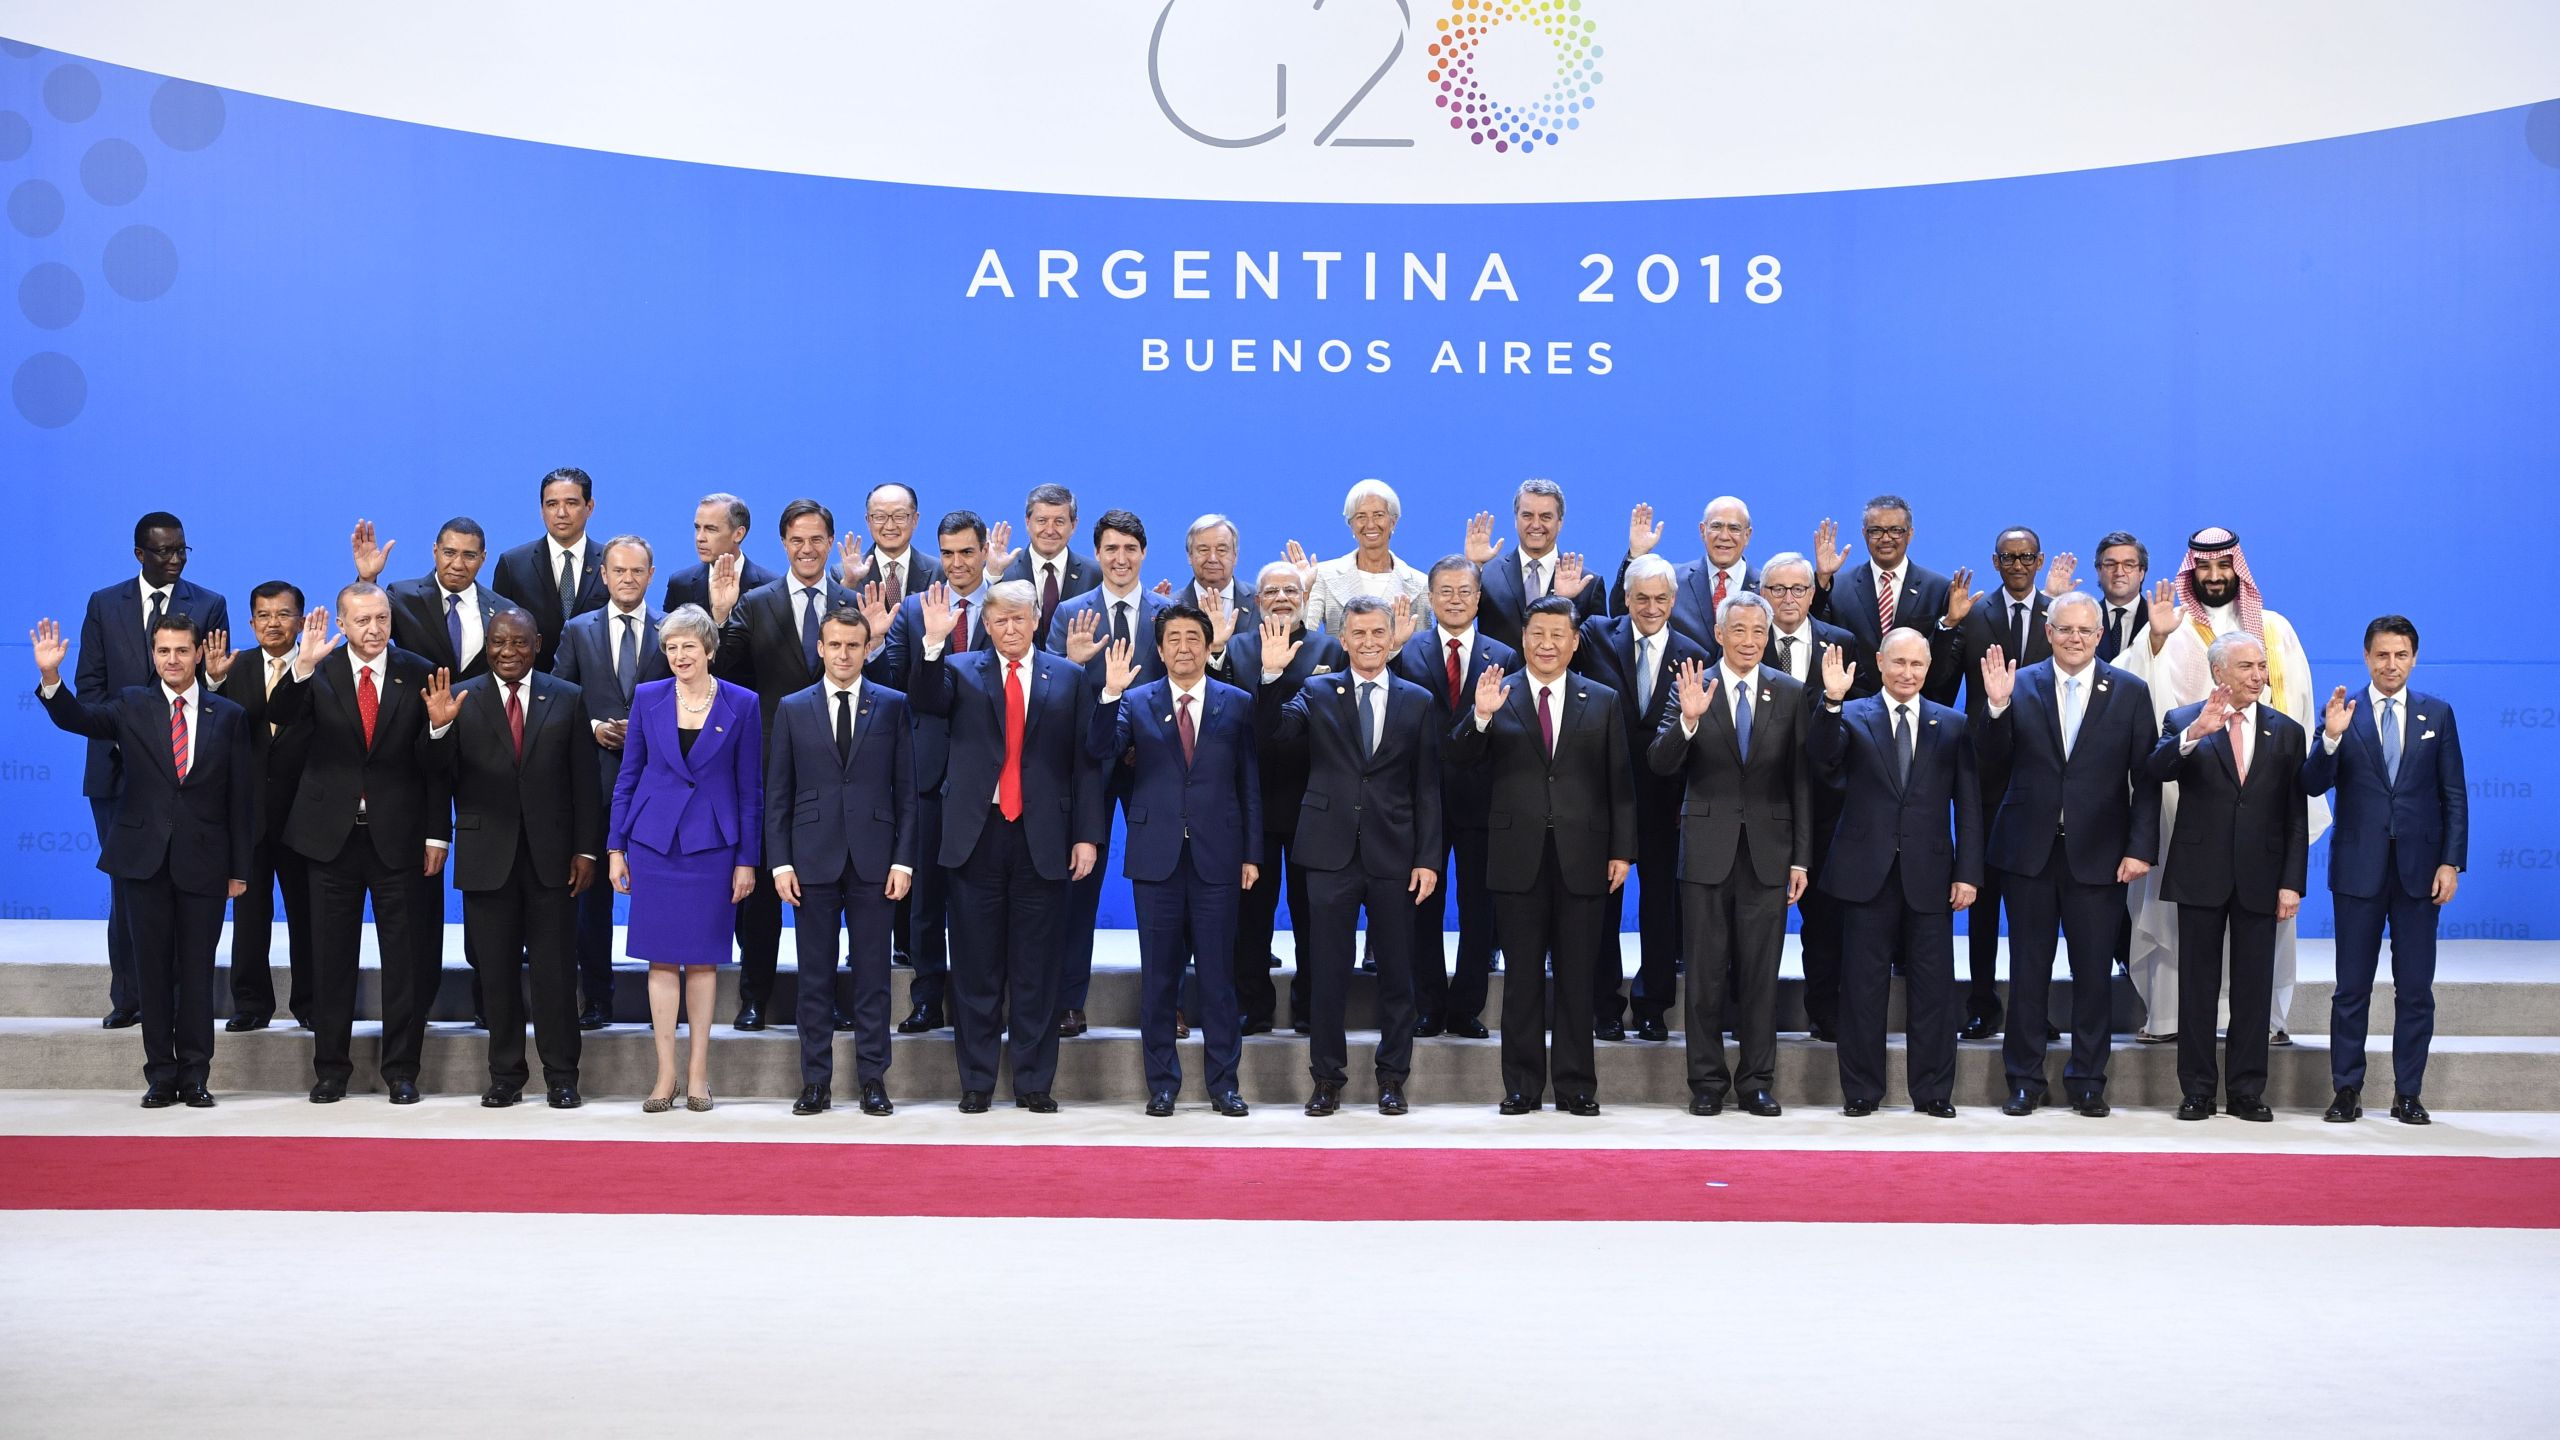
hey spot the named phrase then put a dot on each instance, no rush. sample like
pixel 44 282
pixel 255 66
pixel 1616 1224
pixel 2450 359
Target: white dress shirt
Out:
pixel 1546 573
pixel 1133 598
pixel 1800 656
pixel 1728 695
pixel 1378 727
pixel 469 610
pixel 1552 689
pixel 168 596
pixel 854 703
pixel 1440 638
pixel 2399 721
pixel 575 554
pixel 2244 740
pixel 905 560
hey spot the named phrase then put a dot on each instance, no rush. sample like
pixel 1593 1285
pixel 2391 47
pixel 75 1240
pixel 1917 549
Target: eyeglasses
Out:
pixel 1726 527
pixel 168 552
pixel 890 517
pixel 2005 561
pixel 1888 532
pixel 1454 595
pixel 2119 564
pixel 1785 591
pixel 2074 632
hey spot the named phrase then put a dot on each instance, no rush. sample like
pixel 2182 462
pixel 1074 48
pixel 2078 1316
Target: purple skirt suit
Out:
pixel 686 812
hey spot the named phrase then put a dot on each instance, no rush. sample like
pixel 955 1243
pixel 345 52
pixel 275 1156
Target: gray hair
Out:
pixel 1455 564
pixel 1745 600
pixel 618 541
pixel 2073 599
pixel 1548 488
pixel 1651 567
pixel 358 590
pixel 1782 559
pixel 1212 521
pixel 1368 605
pixel 1262 576
pixel 1735 501
pixel 1015 594
pixel 1381 490
pixel 737 507
pixel 2217 656
pixel 690 620
pixel 1900 632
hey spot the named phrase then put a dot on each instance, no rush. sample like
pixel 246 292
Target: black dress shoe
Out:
pixel 2253 1109
pixel 1391 1099
pixel 2348 1106
pixel 1160 1104
pixel 403 1092
pixel 973 1102
pixel 1035 1101
pixel 1516 1103
pixel 875 1098
pixel 1228 1103
pixel 1469 1030
pixel 195 1097
pixel 1706 1105
pixel 2052 1035
pixel 1326 1099
pixel 499 1097
pixel 479 1021
pixel 328 1092
pixel 1253 1027
pixel 2021 1102
pixel 900 959
pixel 1979 1027
pixel 844 1023
pixel 1608 1030
pixel 1858 1109
pixel 562 1097
pixel 921 1019
pixel 1760 1102
pixel 1653 1029
pixel 159 1097
pixel 1816 1030
pixel 1299 1025
pixel 121 1020
pixel 1579 1105
pixel 2196 1107
pixel 814 1100
pixel 2094 1107
pixel 750 1017
pixel 1426 1027
pixel 1936 1109
pixel 1070 1024
pixel 2407 1110
pixel 594 1018
pixel 240 1023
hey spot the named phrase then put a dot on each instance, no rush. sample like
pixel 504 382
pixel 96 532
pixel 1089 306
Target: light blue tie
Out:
pixel 1644 675
pixel 2070 715
pixel 2390 743
pixel 1368 718
pixel 1742 719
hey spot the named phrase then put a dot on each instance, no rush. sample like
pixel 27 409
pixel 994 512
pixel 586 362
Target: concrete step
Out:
pixel 1104 1067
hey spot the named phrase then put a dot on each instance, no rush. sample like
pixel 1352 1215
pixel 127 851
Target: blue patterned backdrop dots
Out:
pixel 71 93
pixel 50 295
pixel 35 208
pixel 113 172
pixel 141 263
pixel 15 134
pixel 186 115
pixel 49 389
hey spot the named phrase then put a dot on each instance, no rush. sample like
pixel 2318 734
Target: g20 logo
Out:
pixel 1553 39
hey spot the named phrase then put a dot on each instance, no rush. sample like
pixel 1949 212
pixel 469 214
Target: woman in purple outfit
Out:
pixel 688 817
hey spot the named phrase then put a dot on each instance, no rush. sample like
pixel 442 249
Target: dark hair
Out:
pixel 1124 521
pixel 2027 530
pixel 179 620
pixel 1552 605
pixel 2392 625
pixel 156 520
pixel 1192 613
pixel 844 615
pixel 798 508
pixel 274 588
pixel 2114 538
pixel 586 487
pixel 914 501
pixel 516 614
pixel 1474 571
pixel 464 525
pixel 1049 495
pixel 1887 501
pixel 959 520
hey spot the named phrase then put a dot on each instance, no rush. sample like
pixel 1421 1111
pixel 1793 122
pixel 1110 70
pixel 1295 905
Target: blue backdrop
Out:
pixel 273 318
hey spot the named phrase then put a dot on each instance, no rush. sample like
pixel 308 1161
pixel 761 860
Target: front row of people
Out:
pixel 401 766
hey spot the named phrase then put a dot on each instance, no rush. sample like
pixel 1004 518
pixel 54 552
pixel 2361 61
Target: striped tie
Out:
pixel 1884 602
pixel 178 735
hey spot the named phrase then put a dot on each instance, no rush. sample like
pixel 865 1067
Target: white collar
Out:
pixel 638 612
pixel 1466 639
pixel 1199 691
pixel 149 589
pixel 467 594
pixel 1039 560
pixel 1359 679
pixel 577 553
pixel 1749 680
pixel 833 689
pixel 1897 570
pixel 886 558
pixel 1891 704
pixel 194 700
pixel 1803 630
pixel 1122 597
pixel 1554 687
pixel 2374 697
pixel 799 589
pixel 376 664
pixel 2083 673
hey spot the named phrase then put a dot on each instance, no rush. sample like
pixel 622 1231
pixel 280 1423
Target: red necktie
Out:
pixel 1884 601
pixel 1182 724
pixel 1048 595
pixel 1546 723
pixel 1455 673
pixel 178 735
pixel 1009 784
pixel 368 702
pixel 960 630
pixel 1721 578
pixel 515 721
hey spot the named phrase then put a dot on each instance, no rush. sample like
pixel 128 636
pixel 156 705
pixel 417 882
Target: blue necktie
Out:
pixel 809 625
pixel 1902 745
pixel 1742 719
pixel 1368 717
pixel 453 623
pixel 626 656
pixel 2390 744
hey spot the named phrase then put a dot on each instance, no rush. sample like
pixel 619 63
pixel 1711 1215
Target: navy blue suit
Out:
pixel 1076 574
pixel 924 913
pixel 590 649
pixel 1009 877
pixel 839 818
pixel 1084 899
pixel 1850 603
pixel 1505 606
pixel 1194 824
pixel 176 846
pixel 115 652
pixel 1818 936
pixel 1440 997
pixel 692 584
pixel 1893 862
pixel 2392 831
pixel 1693 599
pixel 1284 789
pixel 2059 828
pixel 1608 654
pixel 529 576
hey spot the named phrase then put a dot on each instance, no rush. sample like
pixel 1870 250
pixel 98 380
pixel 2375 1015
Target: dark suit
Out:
pixel 590 657
pixel 2236 844
pixel 895 664
pixel 273 866
pixel 1195 822
pixel 1554 822
pixel 1084 899
pixel 529 576
pixel 692 584
pixel 1439 995
pixel 2137 625
pixel 1608 654
pixel 405 800
pixel 1985 625
pixel 115 653
pixel 2393 830
pixel 1076 574
pixel 2059 828
pixel 1850 603
pixel 1693 599
pixel 520 817
pixel 1009 876
pixel 1505 606
pixel 1818 913
pixel 1892 866
pixel 177 844
pixel 1370 818
pixel 1746 819
pixel 1239 599
pixel 917 572
pixel 765 647
pixel 840 815
pixel 1284 790
pixel 418 626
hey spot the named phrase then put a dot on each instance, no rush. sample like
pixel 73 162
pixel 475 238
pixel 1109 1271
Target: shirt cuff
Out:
pixel 439 845
pixel 907 870
pixel 438 732
pixel 1999 710
pixel 590 859
pixel 48 691
pixel 2187 746
pixel 2328 743
pixel 1111 697
pixel 782 869
pixel 1688 728
pixel 1481 722
pixel 932 650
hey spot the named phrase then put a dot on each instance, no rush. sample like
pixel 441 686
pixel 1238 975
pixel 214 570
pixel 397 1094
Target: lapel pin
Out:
pixel 2102 687
pixel 2422 717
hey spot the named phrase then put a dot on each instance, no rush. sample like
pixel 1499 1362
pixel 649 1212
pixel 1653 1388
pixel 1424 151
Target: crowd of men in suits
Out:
pixel 952 726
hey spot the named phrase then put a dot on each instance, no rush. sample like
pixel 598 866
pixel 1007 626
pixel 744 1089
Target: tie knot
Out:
pixel 1903 711
pixel 177 702
pixel 452 601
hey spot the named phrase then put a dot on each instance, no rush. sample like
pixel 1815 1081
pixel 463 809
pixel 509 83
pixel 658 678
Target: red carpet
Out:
pixel 1093 1181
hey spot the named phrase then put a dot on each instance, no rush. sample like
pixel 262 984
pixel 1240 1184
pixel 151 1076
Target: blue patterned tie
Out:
pixel 1902 744
pixel 1368 717
pixel 626 657
pixel 453 623
pixel 809 625
pixel 2390 743
pixel 1742 720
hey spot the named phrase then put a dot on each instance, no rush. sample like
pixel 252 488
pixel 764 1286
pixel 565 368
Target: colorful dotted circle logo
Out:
pixel 1516 123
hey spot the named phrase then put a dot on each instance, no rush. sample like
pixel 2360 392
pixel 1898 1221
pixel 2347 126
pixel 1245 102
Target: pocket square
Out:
pixel 2430 735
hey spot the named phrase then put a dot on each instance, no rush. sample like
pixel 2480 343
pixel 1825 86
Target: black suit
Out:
pixel 273 865
pixel 177 844
pixel 2116 633
pixel 1693 599
pixel 520 817
pixel 1818 940
pixel 692 584
pixel 1075 575
pixel 1746 819
pixel 1892 867
pixel 1555 821
pixel 923 915
pixel 418 626
pixel 1284 789
pixel 1608 654
pixel 590 658
pixel 1849 602
pixel 529 576
pixel 2060 827
pixel 1505 607
pixel 2237 843
pixel 378 851
pixel 1370 818
pixel 1239 599
pixel 1438 994
pixel 1987 624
